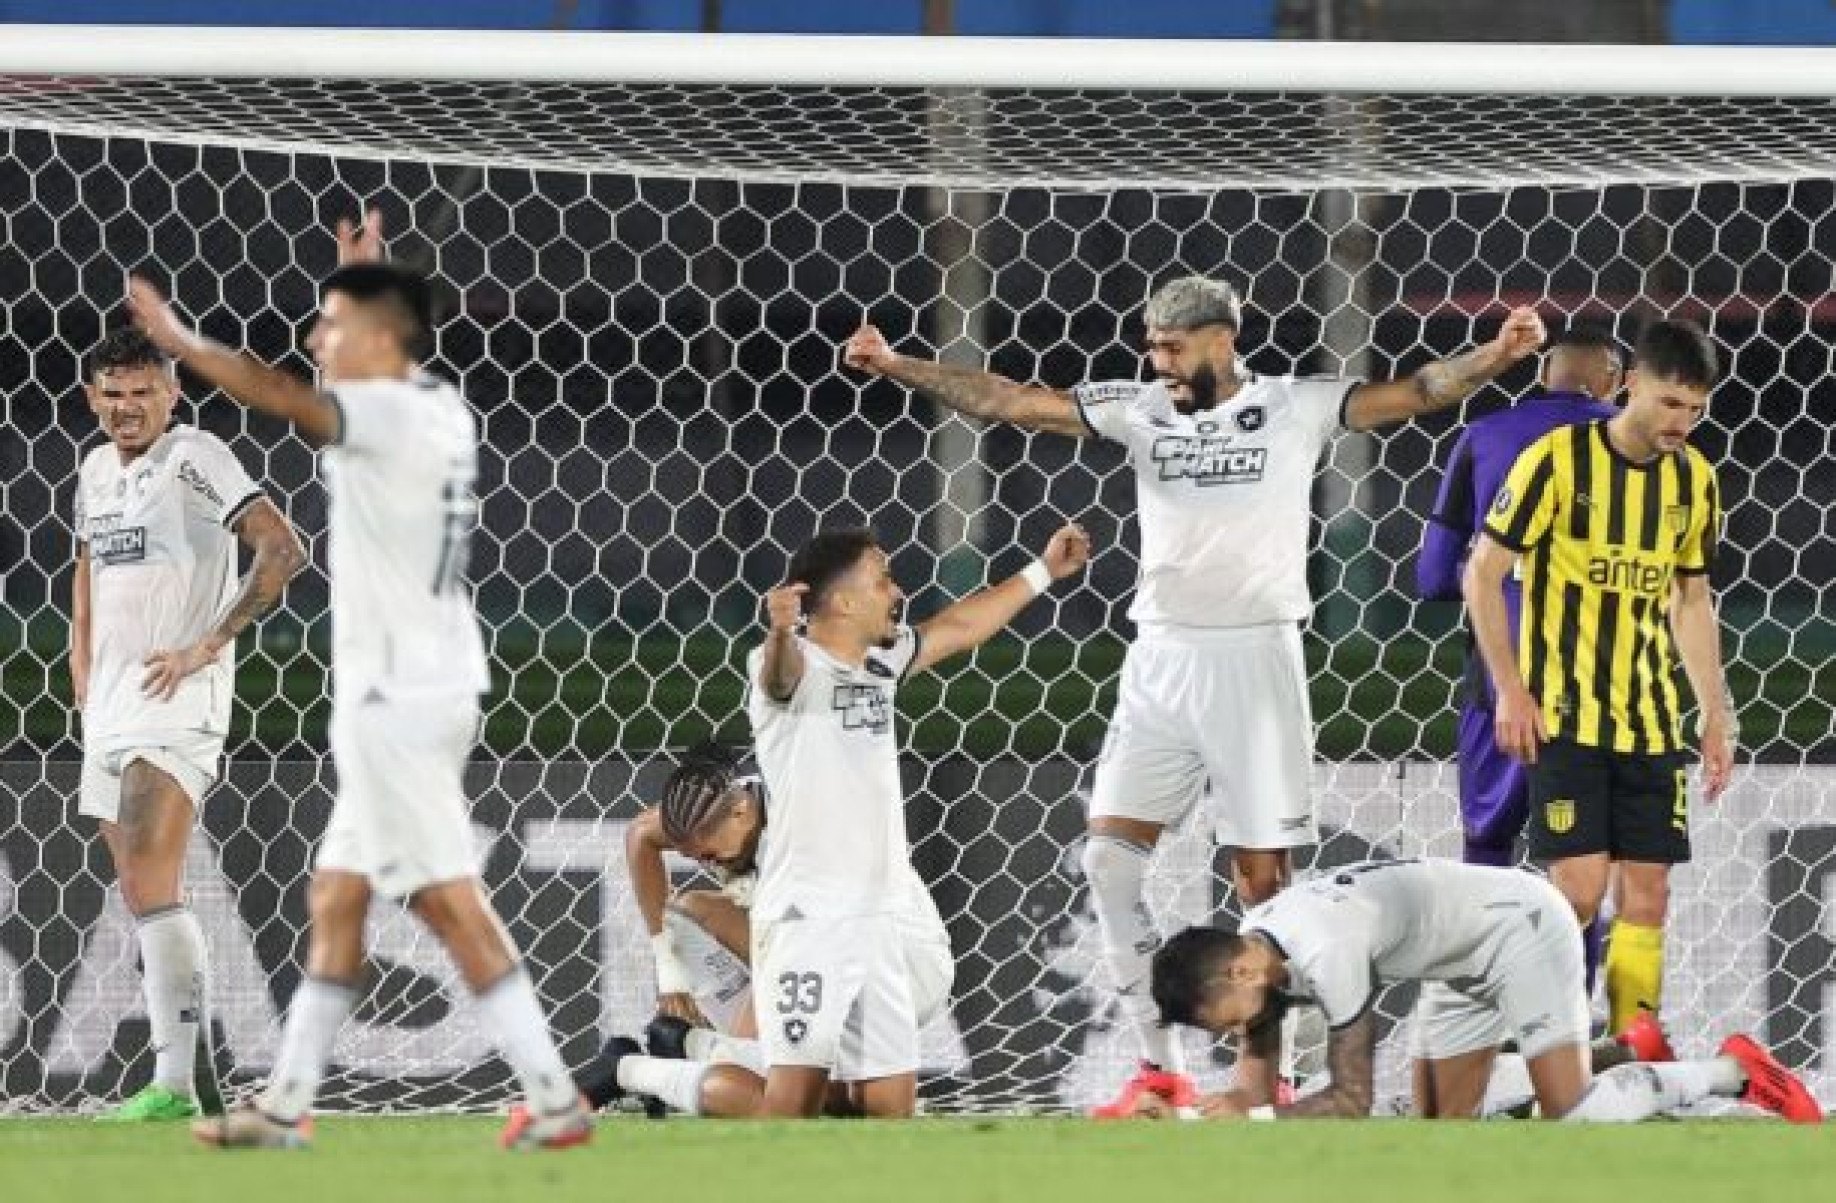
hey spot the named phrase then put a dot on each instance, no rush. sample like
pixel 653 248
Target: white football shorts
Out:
pixel 1216 713
pixel 401 817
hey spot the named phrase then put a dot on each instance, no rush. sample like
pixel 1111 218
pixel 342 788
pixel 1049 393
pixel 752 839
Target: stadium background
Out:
pixel 622 503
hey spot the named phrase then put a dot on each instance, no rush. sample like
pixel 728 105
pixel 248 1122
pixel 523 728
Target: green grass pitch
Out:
pixel 453 1160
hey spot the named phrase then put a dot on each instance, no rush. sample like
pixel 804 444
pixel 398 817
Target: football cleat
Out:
pixel 667 1037
pixel 1769 1084
pixel 1644 1038
pixel 528 1132
pixel 1176 1090
pixel 152 1105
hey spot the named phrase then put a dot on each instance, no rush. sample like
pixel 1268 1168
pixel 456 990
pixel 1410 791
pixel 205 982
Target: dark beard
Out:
pixel 1274 1007
pixel 1203 385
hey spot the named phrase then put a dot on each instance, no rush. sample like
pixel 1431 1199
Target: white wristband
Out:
pixel 1038 576
pixel 672 975
pixel 1264 1112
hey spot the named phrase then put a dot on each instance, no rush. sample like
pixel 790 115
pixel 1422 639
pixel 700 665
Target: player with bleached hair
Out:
pixel 400 452
pixel 1498 952
pixel 155 611
pixel 1214 687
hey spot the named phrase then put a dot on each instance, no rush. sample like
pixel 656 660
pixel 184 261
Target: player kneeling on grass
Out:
pixel 1498 952
pixel 846 942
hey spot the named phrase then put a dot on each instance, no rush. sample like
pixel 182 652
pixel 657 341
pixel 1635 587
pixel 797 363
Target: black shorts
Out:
pixel 1585 801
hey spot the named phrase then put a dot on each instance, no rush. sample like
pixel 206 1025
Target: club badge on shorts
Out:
pixel 1559 816
pixel 795 1030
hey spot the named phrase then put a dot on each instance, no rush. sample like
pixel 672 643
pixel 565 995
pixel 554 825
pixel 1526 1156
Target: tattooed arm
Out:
pixel 278 556
pixel 966 390
pixel 1446 382
pixel 1350 1053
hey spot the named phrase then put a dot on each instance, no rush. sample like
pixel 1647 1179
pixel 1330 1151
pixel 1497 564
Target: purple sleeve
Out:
pixel 1450 529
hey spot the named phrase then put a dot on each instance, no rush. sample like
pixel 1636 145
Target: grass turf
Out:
pixel 451 1160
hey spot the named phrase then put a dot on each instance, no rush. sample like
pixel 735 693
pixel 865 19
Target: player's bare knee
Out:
pixel 1583 883
pixel 1644 894
pixel 1259 876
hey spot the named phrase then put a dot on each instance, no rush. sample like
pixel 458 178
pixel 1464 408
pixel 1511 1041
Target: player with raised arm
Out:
pixel 400 452
pixel 832 918
pixel 1615 522
pixel 1504 947
pixel 155 612
pixel 1214 687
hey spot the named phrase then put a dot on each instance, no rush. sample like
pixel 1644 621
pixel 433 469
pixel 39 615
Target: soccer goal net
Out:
pixel 650 249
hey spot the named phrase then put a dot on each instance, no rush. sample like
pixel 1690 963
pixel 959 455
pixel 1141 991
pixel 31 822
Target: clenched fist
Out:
pixel 868 351
pixel 784 605
pixel 1068 551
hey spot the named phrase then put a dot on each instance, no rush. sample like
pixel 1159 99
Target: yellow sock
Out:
pixel 1634 972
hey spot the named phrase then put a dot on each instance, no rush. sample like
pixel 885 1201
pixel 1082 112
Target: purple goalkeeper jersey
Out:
pixel 1481 461
pixel 1493 790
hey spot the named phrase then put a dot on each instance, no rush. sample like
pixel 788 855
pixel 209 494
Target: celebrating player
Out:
pixel 400 458
pixel 1504 949
pixel 832 940
pixel 1215 685
pixel 716 814
pixel 155 611
pixel 1616 522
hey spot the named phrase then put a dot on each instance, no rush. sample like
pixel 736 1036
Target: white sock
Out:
pixel 514 1019
pixel 1627 1093
pixel 720 1049
pixel 314 1016
pixel 175 968
pixel 1117 872
pixel 677 1083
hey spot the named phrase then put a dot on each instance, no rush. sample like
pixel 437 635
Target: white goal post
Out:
pixel 649 248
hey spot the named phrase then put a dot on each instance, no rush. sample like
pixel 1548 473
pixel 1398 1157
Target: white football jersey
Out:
pixel 162 569
pixel 1223 496
pixel 834 844
pixel 1345 934
pixel 400 476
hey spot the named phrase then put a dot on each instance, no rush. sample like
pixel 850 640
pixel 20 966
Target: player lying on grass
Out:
pixel 1498 953
pixel 845 938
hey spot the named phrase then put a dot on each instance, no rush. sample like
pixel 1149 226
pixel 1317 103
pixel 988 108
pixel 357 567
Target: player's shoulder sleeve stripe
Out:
pixel 917 638
pixel 337 404
pixel 1091 394
pixel 234 513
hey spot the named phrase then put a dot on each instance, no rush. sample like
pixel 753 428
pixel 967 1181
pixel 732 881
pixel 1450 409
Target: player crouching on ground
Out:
pixel 1498 952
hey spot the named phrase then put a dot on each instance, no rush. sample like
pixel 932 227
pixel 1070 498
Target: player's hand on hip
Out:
pixel 149 311
pixel 1521 334
pixel 784 605
pixel 167 670
pixel 1718 744
pixel 868 351
pixel 1068 551
pixel 360 242
pixel 1519 724
pixel 682 1006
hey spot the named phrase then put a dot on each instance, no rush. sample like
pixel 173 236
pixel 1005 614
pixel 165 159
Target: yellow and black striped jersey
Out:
pixel 1602 539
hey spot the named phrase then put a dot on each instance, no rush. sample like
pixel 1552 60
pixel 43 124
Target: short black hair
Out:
pixel 126 347
pixel 1184 967
pixel 1677 351
pixel 403 292
pixel 1587 336
pixel 825 559
pixel 692 794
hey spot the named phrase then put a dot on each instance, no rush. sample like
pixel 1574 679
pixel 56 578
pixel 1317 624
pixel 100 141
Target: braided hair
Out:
pixel 695 792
